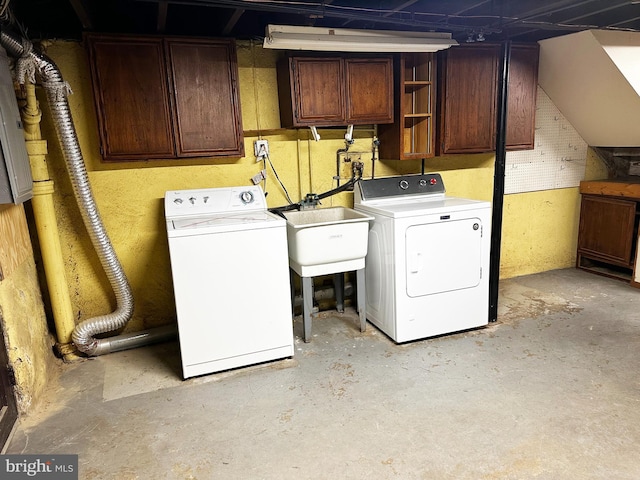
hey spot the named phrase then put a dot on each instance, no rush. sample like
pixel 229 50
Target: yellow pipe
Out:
pixel 46 224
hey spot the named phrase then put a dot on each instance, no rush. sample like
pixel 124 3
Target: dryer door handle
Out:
pixel 416 261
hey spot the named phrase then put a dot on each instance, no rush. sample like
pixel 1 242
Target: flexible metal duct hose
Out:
pixel 56 88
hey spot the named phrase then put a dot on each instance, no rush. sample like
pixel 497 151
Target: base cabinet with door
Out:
pixel 608 232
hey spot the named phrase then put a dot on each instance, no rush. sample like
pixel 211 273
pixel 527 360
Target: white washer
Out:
pixel 427 265
pixel 230 267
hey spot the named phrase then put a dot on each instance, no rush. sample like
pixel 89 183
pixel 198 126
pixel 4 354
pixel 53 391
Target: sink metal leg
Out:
pixel 307 307
pixel 338 288
pixel 292 286
pixel 361 299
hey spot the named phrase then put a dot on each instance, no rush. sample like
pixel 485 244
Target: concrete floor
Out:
pixel 550 391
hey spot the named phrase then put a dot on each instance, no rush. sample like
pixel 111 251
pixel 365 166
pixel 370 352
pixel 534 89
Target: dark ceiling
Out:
pixel 520 20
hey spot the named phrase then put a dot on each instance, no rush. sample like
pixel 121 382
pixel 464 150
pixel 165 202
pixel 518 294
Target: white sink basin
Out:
pixel 327 240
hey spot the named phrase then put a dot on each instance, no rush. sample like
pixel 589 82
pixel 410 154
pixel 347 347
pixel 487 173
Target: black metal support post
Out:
pixel 498 181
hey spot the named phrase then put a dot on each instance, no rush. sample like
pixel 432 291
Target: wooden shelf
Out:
pixel 412 136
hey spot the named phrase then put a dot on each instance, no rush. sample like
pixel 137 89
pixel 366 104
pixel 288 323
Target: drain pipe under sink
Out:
pixel 84 333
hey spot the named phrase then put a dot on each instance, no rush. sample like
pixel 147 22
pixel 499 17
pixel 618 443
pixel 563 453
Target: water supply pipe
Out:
pixel 84 334
pixel 46 224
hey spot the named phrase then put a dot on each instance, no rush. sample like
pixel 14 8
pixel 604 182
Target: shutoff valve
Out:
pixel 348 137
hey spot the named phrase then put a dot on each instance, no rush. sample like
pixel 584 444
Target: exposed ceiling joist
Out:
pixel 524 20
pixel 395 10
pixel 317 11
pixel 596 12
pixel 547 10
pixel 566 22
pixel 235 16
pixel 161 24
pixel 83 13
pixel 625 21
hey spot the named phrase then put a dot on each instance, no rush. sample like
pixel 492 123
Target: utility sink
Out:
pixel 327 240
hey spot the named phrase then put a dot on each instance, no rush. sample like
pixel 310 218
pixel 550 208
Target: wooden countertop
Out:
pixel 618 187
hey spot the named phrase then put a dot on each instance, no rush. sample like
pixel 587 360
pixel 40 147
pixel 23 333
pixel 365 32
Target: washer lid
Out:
pixel 223 223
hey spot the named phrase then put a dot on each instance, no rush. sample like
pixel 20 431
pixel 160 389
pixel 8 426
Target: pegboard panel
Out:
pixel 558 160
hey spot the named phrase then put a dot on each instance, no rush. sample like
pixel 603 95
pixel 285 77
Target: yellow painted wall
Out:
pixel 22 316
pixel 539 228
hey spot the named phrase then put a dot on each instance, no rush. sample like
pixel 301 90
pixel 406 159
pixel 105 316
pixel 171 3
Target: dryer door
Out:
pixel 443 256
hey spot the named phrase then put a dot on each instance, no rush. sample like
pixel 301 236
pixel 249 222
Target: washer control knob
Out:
pixel 433 181
pixel 192 200
pixel 422 183
pixel 404 184
pixel 246 197
pixel 476 226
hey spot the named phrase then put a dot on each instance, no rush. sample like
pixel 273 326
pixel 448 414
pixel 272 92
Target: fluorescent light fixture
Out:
pixel 350 40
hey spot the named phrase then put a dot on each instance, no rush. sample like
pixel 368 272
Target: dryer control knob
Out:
pixel 246 197
pixel 404 184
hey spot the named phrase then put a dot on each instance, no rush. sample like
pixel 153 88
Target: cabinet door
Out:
pixel 335 91
pixel 206 116
pixel 468 105
pixel 607 229
pixel 369 90
pixel 132 97
pixel 318 91
pixel 523 84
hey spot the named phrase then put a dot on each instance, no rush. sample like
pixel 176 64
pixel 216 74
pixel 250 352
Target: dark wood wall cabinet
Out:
pixel 521 101
pixel 335 91
pixel 608 232
pixel 166 97
pixel 468 80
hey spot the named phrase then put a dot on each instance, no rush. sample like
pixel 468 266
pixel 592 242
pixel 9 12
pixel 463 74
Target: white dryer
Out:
pixel 427 265
pixel 230 267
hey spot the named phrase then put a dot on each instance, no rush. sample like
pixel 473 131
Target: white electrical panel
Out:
pixel 16 183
